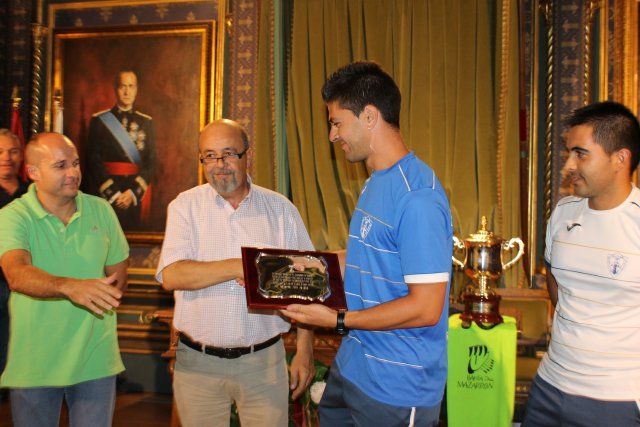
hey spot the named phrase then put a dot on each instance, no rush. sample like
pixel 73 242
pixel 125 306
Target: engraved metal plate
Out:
pixel 293 276
pixel 275 278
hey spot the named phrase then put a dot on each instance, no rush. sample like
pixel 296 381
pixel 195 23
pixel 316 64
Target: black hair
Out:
pixel 116 79
pixel 614 127
pixel 363 83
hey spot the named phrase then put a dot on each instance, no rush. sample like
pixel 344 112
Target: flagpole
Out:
pixel 57 113
pixel 16 126
pixel 15 99
pixel 39 33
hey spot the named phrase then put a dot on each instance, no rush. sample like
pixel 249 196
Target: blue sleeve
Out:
pixel 424 237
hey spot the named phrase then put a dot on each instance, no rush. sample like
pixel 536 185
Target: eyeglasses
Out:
pixel 211 158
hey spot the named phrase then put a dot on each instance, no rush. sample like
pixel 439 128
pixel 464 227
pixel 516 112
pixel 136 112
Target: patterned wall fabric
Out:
pixel 158 13
pixel 15 57
pixel 568 65
pixel 242 80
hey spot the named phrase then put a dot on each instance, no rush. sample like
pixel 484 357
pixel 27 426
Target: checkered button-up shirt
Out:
pixel 202 226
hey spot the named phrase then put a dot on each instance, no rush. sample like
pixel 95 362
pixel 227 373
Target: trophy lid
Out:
pixel 483 235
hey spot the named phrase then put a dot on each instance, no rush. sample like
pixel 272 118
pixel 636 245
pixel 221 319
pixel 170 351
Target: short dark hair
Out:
pixel 363 83
pixel 614 127
pixel 12 136
pixel 116 79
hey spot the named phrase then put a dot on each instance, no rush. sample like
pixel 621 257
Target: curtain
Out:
pixel 456 64
pixel 265 167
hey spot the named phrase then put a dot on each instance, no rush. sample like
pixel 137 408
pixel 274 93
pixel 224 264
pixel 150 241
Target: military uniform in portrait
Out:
pixel 121 154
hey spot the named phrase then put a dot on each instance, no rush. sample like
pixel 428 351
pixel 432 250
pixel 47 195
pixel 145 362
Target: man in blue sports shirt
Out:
pixel 391 367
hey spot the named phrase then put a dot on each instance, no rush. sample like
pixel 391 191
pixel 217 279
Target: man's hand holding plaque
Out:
pixel 275 278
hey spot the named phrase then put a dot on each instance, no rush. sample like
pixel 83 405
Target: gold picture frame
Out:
pixel 179 85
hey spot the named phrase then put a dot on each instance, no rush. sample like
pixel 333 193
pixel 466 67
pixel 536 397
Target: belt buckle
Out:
pixel 231 353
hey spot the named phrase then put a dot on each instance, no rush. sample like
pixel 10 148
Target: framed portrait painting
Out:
pixel 135 99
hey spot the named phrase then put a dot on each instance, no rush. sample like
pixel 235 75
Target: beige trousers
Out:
pixel 205 386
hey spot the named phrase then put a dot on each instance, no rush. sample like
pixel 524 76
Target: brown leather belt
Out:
pixel 227 353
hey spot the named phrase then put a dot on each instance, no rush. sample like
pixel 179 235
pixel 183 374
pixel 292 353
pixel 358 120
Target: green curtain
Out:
pixel 264 165
pixel 456 65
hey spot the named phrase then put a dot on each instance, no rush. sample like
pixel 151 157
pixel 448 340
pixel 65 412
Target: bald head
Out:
pixel 43 145
pixel 223 145
pixel 53 165
pixel 225 128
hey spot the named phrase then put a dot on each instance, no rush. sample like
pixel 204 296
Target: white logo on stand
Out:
pixel 365 226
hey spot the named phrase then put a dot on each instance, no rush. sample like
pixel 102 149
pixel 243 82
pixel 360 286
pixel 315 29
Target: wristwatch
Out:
pixel 341 329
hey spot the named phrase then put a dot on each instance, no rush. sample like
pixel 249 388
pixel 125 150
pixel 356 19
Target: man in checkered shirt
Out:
pixel 227 353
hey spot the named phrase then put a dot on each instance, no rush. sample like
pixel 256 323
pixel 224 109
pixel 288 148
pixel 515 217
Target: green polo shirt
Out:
pixel 54 342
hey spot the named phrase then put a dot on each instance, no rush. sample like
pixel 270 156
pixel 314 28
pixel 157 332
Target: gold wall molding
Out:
pixel 590 8
pixel 502 107
pixel 603 51
pixel 625 53
pixel 39 33
pixel 546 7
pixel 532 178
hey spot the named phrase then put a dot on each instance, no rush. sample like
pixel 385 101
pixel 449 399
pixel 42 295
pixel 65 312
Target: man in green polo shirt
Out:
pixel 65 258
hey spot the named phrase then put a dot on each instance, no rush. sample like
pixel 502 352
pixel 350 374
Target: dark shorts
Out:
pixel 343 404
pixel 548 406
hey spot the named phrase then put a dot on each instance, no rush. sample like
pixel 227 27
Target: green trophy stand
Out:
pixel 482 374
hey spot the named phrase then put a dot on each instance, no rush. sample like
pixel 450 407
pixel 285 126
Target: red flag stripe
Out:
pixel 16 128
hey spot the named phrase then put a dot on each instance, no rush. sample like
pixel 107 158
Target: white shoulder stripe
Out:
pixel 404 177
pixel 427 278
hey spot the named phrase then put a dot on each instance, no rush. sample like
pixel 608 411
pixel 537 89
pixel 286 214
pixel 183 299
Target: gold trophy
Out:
pixel 483 264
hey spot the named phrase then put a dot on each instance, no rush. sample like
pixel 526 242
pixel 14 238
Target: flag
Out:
pixel 16 128
pixel 57 117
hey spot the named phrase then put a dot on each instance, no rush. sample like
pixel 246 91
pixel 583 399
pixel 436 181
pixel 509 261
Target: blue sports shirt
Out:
pixel 400 233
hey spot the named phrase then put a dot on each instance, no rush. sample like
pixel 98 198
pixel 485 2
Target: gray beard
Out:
pixel 225 188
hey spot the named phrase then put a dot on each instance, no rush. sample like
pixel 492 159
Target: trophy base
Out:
pixel 484 310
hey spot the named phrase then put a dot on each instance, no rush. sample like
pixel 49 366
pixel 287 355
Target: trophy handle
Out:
pixel 508 246
pixel 458 244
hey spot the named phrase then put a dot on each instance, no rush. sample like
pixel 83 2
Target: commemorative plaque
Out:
pixel 275 278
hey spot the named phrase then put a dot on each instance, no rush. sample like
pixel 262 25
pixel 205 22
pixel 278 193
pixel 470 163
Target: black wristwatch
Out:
pixel 340 328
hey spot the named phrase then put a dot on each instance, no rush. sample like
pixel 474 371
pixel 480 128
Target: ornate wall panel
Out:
pixel 15 57
pixel 243 53
pixel 566 65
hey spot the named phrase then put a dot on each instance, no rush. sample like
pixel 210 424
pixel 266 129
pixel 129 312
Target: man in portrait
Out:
pixel 121 154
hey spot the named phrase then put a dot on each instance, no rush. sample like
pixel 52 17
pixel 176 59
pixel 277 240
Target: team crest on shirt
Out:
pixel 616 263
pixel 365 226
